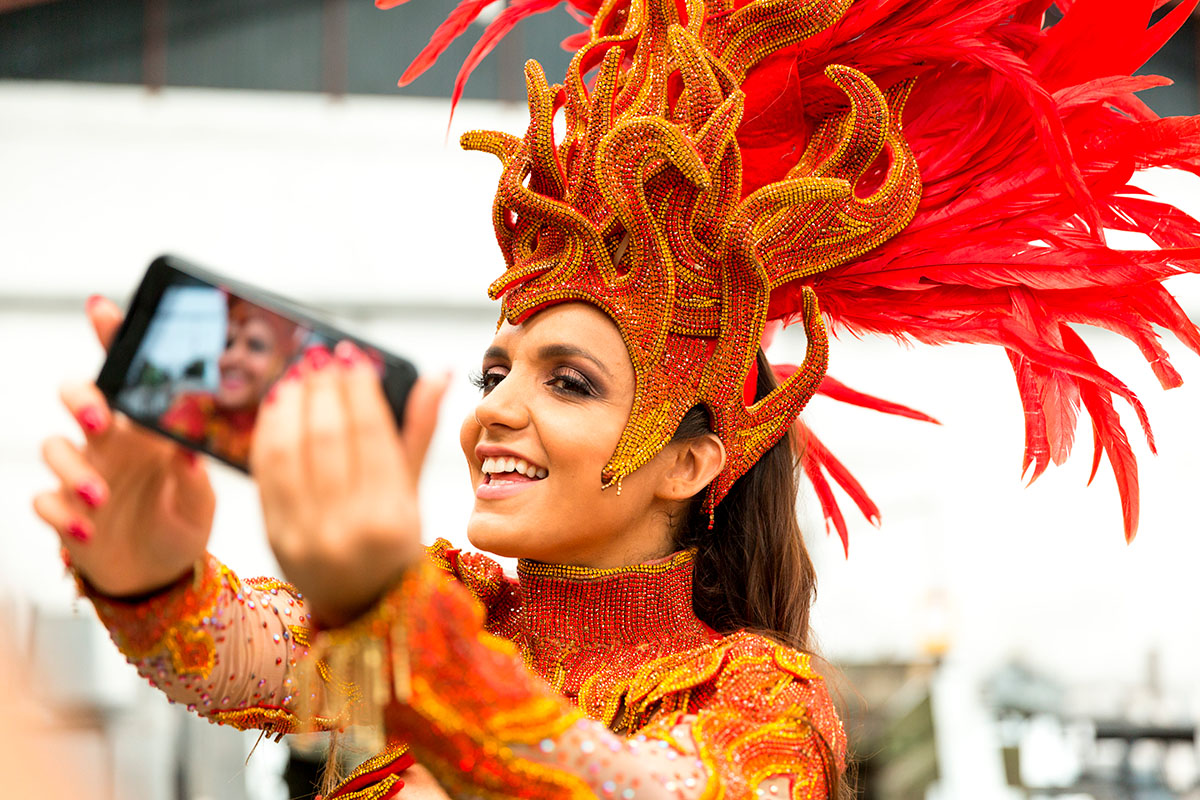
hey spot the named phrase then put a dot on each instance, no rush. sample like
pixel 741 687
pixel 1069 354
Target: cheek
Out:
pixel 468 436
pixel 263 365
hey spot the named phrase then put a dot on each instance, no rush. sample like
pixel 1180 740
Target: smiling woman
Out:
pixel 258 345
pixel 632 447
pixel 557 392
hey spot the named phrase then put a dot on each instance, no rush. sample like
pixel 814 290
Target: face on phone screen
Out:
pixel 205 364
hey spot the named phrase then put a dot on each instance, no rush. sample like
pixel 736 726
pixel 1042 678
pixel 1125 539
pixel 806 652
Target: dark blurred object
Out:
pixel 1021 697
pixel 334 46
pixel 331 46
pixel 889 720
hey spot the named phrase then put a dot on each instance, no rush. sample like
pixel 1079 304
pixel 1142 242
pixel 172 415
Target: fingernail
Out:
pixel 76 530
pixel 65 555
pixel 270 396
pixel 191 457
pixel 347 353
pixel 91 419
pixel 317 357
pixel 90 492
pixel 292 373
pixel 92 300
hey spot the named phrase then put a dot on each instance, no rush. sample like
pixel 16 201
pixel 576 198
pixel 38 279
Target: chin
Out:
pixel 495 537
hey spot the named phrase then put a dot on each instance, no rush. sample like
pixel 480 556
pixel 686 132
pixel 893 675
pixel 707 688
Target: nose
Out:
pixel 231 354
pixel 503 407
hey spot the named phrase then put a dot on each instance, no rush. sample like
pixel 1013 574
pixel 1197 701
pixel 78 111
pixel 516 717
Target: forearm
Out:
pixel 226 648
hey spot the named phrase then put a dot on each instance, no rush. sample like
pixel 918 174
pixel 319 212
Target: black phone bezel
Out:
pixel 166 271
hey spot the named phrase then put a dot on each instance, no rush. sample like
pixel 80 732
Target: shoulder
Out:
pixel 482 577
pixel 745 684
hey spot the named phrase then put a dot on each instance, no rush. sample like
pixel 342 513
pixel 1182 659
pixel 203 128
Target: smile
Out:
pixel 507 476
pixel 499 469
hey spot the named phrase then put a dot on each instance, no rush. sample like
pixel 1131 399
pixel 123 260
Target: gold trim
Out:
pixel 538 569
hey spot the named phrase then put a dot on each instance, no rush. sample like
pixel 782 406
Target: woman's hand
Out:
pixel 338 482
pixel 133 509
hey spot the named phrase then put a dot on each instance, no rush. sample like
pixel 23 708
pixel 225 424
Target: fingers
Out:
pixel 420 419
pixel 274 452
pixel 64 516
pixel 88 406
pixel 78 477
pixel 373 433
pixel 105 318
pixel 327 447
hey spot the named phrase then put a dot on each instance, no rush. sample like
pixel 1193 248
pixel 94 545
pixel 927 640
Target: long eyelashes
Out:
pixel 564 380
pixel 485 381
pixel 570 381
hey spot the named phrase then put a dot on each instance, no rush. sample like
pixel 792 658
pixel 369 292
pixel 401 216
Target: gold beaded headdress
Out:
pixel 639 211
pixel 734 160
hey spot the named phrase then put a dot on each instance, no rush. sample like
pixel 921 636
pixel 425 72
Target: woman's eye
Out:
pixel 571 382
pixel 256 345
pixel 487 380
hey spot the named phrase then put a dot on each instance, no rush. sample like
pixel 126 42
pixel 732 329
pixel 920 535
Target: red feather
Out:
pixel 492 34
pixel 816 460
pixel 455 25
pixel 1027 137
pixel 1109 436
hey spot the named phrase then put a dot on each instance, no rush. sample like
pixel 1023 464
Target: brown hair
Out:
pixel 752 570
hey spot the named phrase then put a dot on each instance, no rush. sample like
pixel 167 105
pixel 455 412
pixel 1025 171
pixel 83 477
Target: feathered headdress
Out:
pixel 937 171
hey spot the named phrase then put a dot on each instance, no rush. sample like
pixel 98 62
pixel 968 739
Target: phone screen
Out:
pixel 197 355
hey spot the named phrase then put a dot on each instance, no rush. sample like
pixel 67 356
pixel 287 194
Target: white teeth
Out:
pixel 497 466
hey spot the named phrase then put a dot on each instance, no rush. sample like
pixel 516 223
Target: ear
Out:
pixel 692 465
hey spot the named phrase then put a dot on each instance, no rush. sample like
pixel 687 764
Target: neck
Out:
pixel 622 605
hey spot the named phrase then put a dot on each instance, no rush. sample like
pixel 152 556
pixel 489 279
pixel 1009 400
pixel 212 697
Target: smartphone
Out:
pixel 198 352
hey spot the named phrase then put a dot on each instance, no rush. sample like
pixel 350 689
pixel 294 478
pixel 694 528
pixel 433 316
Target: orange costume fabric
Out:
pixel 564 682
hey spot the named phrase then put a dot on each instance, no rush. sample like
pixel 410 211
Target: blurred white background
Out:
pixel 359 205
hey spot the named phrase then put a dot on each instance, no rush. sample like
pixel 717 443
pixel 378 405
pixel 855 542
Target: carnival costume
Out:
pixel 941 171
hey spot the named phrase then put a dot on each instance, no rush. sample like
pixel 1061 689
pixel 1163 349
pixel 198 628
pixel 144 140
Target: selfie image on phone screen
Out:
pixel 206 363
pixel 198 354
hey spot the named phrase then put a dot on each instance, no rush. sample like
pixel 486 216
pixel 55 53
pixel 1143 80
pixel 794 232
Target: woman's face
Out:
pixel 252 359
pixel 557 391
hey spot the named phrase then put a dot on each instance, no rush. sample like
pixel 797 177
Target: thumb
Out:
pixel 420 419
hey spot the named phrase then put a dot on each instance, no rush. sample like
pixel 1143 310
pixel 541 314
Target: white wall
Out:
pixel 358 204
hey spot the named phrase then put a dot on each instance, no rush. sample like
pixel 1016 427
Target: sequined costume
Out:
pixel 564 682
pixel 198 418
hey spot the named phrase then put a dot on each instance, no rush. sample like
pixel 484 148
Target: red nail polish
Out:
pixel 270 395
pixel 76 530
pixel 191 457
pixel 92 300
pixel 317 357
pixel 292 373
pixel 346 353
pixel 90 492
pixel 91 419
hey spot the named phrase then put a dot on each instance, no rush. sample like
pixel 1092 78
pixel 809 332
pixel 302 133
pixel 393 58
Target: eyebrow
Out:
pixel 551 351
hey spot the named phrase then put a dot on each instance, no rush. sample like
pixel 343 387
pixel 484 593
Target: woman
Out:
pixel 258 347
pixel 564 371
pixel 631 445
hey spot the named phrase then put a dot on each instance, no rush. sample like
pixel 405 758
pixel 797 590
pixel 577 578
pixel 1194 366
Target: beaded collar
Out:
pixel 646 604
pixel 587 632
